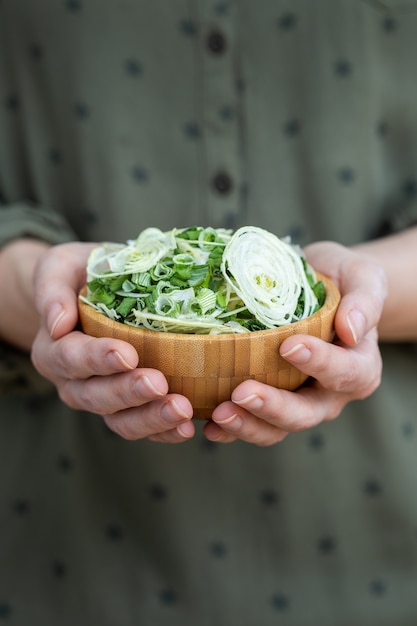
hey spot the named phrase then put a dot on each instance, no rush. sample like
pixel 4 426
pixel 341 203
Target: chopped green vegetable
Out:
pixel 203 280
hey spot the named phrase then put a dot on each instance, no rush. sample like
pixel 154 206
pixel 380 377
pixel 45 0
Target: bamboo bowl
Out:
pixel 206 368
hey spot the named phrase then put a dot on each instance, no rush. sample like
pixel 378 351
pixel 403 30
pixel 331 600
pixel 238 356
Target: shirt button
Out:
pixel 222 183
pixel 216 42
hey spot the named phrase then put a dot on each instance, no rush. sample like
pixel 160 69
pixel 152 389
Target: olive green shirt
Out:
pixel 299 117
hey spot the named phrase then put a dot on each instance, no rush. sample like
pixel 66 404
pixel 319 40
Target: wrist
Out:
pixel 19 321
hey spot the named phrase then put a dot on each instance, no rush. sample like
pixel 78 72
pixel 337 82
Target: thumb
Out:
pixel 362 283
pixel 58 279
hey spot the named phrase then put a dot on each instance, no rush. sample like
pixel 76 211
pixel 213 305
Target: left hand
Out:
pixel 345 370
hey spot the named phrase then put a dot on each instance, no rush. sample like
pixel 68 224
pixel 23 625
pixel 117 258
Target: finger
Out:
pixel 214 432
pixel 347 370
pixel 181 433
pixel 153 418
pixel 238 423
pixel 285 411
pixel 110 394
pixel 78 356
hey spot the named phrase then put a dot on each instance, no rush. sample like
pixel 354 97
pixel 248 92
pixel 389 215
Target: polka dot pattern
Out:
pixel 123 117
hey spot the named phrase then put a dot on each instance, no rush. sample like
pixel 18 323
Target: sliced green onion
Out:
pixel 183 264
pixel 142 279
pixel 203 280
pixel 206 300
pixel 161 271
pixel 164 305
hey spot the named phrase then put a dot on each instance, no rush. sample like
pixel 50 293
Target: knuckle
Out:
pixel 321 366
pixel 68 356
pixel 346 379
pixel 67 397
pixel 335 409
pixel 371 386
pixel 85 398
pixel 121 427
pixel 109 392
pixel 64 355
pixel 299 424
pixel 373 379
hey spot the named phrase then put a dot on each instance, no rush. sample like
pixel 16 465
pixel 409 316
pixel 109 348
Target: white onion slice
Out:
pixel 137 256
pixel 267 273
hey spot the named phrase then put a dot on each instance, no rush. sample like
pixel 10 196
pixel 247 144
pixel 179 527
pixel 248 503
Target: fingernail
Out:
pixel 55 315
pixel 119 360
pixel 234 422
pixel 356 323
pixel 144 387
pixel 298 354
pixel 253 402
pixel 171 412
pixel 186 429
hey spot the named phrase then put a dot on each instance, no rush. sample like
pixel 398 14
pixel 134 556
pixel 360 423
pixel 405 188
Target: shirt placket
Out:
pixel 221 172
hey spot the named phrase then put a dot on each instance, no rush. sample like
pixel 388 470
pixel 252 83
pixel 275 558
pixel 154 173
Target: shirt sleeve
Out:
pixel 22 219
pixel 398 218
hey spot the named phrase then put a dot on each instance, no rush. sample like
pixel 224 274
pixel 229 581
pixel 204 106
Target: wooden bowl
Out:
pixel 206 368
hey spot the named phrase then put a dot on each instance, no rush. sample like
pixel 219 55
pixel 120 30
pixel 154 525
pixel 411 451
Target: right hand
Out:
pixel 102 376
